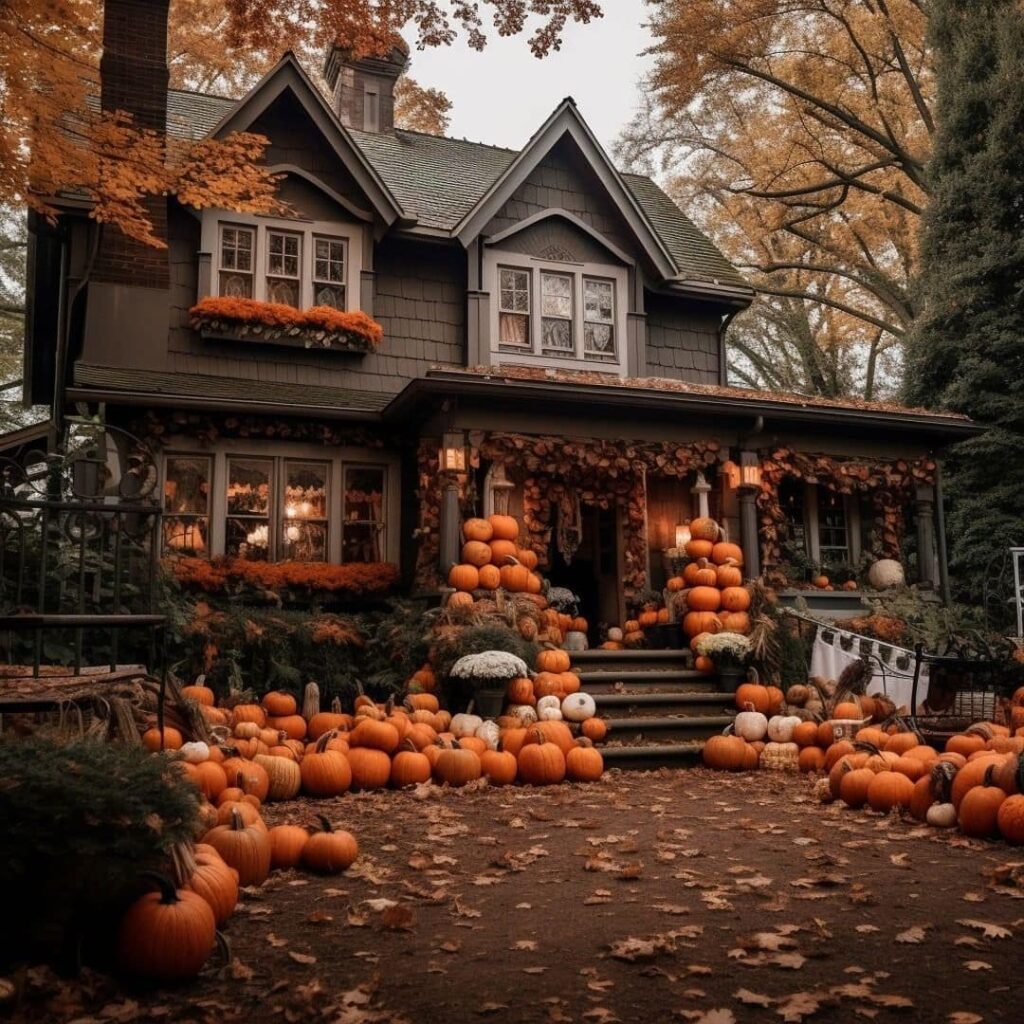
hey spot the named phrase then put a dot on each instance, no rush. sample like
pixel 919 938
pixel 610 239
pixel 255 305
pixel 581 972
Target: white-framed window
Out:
pixel 822 524
pixel 514 307
pixel 281 502
pixel 236 249
pixel 556 309
pixel 298 263
pixel 329 260
pixel 571 314
pixel 284 267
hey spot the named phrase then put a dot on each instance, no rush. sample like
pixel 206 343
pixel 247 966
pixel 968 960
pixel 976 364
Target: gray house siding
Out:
pixel 682 342
pixel 554 238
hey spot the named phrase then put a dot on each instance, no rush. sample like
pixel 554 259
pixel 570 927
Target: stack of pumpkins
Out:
pixel 491 558
pixel 552 695
pixel 711 586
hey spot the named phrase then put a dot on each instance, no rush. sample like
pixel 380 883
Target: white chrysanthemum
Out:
pixel 490 665
pixel 731 645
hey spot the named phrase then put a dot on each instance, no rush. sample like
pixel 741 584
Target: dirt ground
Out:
pixel 664 896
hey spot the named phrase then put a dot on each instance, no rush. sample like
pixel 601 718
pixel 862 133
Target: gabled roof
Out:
pixel 445 185
pixel 287 76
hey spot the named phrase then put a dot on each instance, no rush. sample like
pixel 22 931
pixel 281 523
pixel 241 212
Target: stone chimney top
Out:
pixel 363 88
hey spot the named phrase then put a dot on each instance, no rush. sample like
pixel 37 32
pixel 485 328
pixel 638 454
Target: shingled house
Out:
pixel 540 329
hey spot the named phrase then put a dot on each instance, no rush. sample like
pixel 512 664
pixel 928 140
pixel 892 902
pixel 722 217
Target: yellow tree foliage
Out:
pixel 54 139
pixel 799 131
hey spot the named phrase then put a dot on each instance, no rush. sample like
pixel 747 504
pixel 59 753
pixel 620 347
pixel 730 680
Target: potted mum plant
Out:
pixel 730 652
pixel 486 676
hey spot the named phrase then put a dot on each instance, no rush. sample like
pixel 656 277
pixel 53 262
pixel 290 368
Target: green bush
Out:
pixel 80 822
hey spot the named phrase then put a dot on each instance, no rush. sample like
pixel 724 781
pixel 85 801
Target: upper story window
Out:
pixel 284 260
pixel 555 314
pixel 296 263
pixel 237 248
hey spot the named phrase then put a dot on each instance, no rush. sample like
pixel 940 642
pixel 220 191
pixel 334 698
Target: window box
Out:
pixel 269 323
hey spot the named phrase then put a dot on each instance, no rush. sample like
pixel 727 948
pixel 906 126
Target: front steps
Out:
pixel 658 709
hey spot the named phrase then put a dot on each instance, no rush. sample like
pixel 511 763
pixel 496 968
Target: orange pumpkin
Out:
pixel 502 551
pixel 705 528
pixel 515 578
pixel 476 552
pixel 464 577
pixel 551 660
pixel 735 622
pixel 460 599
pixel 527 557
pixel 504 527
pixel 699 548
pixel 700 574
pixel 701 622
pixel 728 575
pixel 704 599
pixel 735 599
pixel 477 529
pixel 489 577
pixel 754 694
pixel 724 552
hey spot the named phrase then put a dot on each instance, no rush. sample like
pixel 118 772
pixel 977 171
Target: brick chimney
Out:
pixel 364 88
pixel 133 78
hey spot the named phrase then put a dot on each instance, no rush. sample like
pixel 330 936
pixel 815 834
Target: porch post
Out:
pixel 940 517
pixel 449 546
pixel 748 532
pixel 924 517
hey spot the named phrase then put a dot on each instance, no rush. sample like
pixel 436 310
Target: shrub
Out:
pixel 80 822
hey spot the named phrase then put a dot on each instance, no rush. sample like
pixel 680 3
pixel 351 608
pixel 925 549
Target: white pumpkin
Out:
pixel 524 712
pixel 885 573
pixel 550 701
pixel 751 725
pixel 465 725
pixel 575 641
pixel 489 733
pixel 195 752
pixel 615 634
pixel 941 816
pixel 578 707
pixel 550 715
pixel 780 727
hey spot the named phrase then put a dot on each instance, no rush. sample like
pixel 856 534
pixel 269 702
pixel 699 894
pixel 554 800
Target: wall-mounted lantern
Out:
pixel 452 454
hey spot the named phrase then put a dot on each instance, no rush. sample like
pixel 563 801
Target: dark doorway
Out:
pixel 593 573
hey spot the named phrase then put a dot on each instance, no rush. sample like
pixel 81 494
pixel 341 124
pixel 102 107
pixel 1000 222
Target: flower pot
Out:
pixel 489 703
pixel 731 676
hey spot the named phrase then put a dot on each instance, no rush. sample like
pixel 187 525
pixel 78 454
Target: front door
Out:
pixel 594 571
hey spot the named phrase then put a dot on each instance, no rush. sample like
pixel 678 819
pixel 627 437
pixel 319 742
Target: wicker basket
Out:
pixel 847 728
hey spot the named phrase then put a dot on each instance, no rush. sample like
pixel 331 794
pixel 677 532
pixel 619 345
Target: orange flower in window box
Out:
pixel 277 324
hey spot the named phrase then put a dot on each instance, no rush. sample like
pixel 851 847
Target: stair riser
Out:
pixel 650 764
pixel 645 710
pixel 707 685
pixel 647 676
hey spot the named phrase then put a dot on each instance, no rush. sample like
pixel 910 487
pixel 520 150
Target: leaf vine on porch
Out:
pixel 889 484
pixel 601 472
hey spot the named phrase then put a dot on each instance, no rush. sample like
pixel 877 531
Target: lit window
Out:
pixel 186 519
pixel 556 330
pixel 329 272
pixel 304 522
pixel 598 319
pixel 284 254
pixel 248 509
pixel 362 537
pixel 514 308
pixel 236 261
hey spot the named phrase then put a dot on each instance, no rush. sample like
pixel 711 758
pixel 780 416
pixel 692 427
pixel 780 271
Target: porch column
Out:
pixel 924 518
pixel 449 546
pixel 748 532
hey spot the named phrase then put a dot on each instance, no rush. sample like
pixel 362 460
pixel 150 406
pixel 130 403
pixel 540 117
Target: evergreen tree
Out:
pixel 966 352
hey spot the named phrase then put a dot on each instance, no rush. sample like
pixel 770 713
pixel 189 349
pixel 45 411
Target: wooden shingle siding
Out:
pixel 554 238
pixel 682 342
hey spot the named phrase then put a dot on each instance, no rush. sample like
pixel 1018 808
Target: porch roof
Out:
pixel 656 395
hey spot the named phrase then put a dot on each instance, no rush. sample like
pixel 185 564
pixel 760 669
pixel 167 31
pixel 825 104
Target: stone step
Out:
pixel 596 656
pixel 647 757
pixel 625 685
pixel 657 703
pixel 643 675
pixel 641 730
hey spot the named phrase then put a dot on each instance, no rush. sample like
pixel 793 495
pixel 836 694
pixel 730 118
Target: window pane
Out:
pixel 598 301
pixel 329 260
pixel 248 489
pixel 556 295
pixel 283 290
pixel 832 532
pixel 556 335
pixel 599 339
pixel 364 493
pixel 362 542
pixel 329 295
pixel 305 495
pixel 248 539
pixel 186 535
pixel 514 291
pixel 514 329
pixel 187 484
pixel 236 286
pixel 282 254
pixel 303 542
pixel 236 248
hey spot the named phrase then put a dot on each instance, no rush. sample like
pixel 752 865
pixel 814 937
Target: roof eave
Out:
pixel 733 294
pixel 941 429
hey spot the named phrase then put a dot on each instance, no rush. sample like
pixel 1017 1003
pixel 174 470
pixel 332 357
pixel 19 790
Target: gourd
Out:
pixel 885 573
pixel 578 707
pixel 615 635
pixel 751 725
pixel 195 752
pixel 550 701
pixel 525 713
pixel 550 713
pixel 780 728
pixel 465 725
pixel 489 733
pixel 780 757
pixel 941 816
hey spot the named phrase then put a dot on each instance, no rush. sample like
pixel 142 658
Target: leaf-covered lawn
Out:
pixel 687 896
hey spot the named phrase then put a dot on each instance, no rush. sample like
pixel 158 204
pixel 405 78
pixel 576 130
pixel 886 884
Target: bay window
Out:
pixel 294 505
pixel 236 251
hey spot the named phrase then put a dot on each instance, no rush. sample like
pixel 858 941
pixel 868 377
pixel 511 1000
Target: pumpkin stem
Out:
pixel 325 824
pixel 237 825
pixel 321 744
pixel 336 706
pixel 168 894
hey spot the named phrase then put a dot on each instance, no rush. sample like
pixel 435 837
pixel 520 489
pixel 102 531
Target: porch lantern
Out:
pixel 452 456
pixel 682 535
pixel 731 474
pixel 750 470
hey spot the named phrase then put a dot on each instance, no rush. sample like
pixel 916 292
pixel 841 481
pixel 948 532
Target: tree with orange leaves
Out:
pixel 798 132
pixel 54 138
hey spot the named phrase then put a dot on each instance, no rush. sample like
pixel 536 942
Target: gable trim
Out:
pixel 300 172
pixel 542 215
pixel 566 120
pixel 287 75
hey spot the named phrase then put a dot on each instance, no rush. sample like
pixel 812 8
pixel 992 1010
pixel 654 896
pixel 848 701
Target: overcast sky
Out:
pixel 502 95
